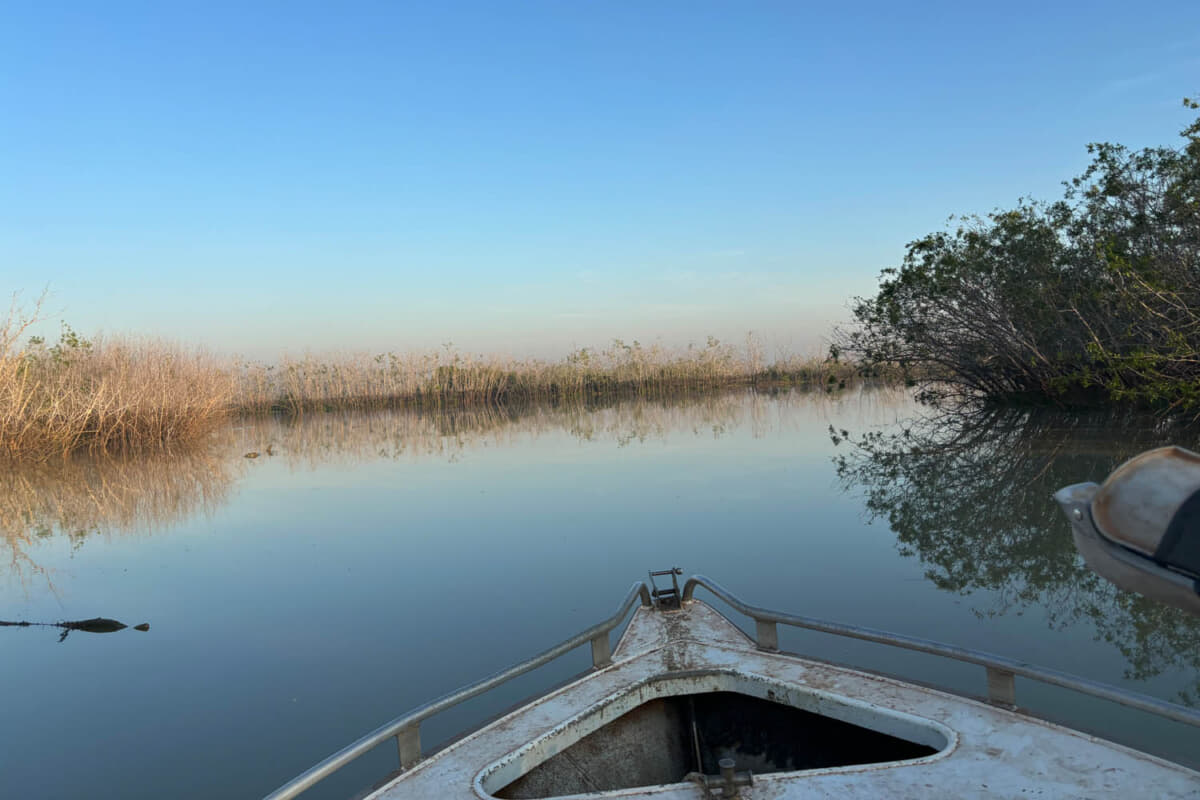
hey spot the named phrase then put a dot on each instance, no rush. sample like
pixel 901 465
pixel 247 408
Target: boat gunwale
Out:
pixel 990 661
pixel 1000 673
pixel 405 728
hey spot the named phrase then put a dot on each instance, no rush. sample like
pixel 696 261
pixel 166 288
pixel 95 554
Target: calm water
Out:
pixel 363 565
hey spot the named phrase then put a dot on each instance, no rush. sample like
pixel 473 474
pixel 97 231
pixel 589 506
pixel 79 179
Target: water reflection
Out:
pixel 317 439
pixel 84 497
pixel 970 496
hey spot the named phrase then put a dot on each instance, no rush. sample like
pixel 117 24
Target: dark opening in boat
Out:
pixel 668 739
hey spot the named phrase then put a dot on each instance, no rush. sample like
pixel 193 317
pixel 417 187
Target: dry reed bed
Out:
pixel 110 395
pixel 448 378
pixel 125 394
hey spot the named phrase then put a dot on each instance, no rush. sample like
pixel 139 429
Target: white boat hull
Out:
pixel 975 749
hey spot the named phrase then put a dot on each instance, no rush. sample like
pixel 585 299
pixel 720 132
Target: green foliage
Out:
pixel 968 496
pixel 70 345
pixel 37 355
pixel 1089 300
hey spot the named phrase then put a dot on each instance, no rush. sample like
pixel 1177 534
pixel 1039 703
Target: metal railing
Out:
pixel 1001 671
pixel 406 729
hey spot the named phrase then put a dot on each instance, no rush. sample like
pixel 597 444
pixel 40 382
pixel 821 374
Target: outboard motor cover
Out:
pixel 1151 505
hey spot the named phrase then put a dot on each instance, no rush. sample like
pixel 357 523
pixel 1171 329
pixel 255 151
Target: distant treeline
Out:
pixel 1092 300
pixel 125 394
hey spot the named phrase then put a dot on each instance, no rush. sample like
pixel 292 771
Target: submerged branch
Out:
pixel 93 625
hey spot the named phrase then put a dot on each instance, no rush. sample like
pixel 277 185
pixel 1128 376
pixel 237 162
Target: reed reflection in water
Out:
pixel 84 496
pixel 314 439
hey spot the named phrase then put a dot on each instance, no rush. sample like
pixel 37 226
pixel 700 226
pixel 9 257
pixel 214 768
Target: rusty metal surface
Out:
pixel 982 750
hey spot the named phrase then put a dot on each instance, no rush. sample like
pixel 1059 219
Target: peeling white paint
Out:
pixel 983 751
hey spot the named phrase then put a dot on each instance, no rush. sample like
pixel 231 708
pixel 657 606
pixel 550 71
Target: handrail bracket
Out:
pixel 408 742
pixel 1001 687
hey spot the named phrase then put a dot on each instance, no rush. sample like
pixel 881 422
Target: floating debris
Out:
pixel 93 625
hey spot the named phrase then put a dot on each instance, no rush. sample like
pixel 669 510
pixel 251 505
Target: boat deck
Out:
pixel 981 750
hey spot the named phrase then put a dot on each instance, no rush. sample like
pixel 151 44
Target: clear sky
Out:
pixel 527 176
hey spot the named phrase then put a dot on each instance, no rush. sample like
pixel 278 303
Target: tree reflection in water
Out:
pixel 969 494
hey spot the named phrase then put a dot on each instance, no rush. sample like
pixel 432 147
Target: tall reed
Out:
pixel 125 394
pixel 451 378
pixel 107 395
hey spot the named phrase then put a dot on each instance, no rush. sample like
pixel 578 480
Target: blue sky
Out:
pixel 524 176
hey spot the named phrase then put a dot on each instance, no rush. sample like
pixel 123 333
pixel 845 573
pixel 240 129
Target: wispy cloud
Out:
pixel 696 279
pixel 1120 85
pixel 1128 83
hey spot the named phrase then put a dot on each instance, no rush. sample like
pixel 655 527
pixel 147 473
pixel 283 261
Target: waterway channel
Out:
pixel 306 580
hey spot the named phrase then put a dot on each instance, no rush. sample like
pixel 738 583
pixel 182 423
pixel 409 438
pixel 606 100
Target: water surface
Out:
pixel 362 565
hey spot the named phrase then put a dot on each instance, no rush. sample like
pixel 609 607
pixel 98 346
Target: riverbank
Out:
pixel 122 394
pixel 448 378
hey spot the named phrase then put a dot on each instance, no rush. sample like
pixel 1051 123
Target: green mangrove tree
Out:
pixel 1090 300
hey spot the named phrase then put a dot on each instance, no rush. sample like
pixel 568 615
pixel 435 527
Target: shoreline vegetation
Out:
pixel 122 394
pixel 1090 301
